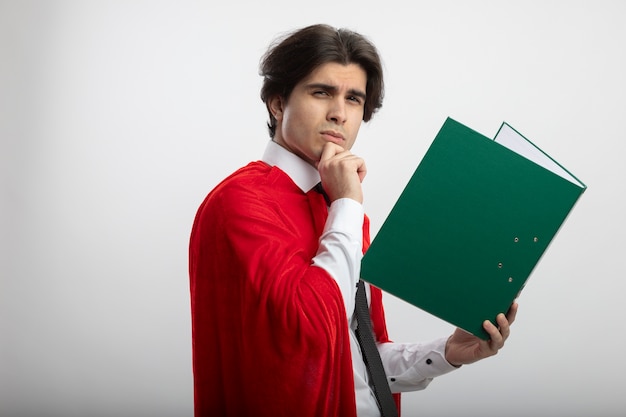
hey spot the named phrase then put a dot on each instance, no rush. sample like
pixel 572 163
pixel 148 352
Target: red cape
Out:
pixel 270 335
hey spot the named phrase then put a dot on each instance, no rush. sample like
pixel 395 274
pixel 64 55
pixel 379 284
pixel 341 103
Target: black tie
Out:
pixel 318 187
pixel 371 357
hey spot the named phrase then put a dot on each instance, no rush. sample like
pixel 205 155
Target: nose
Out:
pixel 337 111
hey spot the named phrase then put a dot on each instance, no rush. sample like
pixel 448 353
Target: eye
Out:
pixel 320 93
pixel 355 99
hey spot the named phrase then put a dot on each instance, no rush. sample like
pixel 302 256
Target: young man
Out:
pixel 274 267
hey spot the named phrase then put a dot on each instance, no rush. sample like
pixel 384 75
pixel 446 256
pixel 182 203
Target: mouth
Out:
pixel 333 136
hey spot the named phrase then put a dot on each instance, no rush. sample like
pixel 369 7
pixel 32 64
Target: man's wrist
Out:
pixel 446 354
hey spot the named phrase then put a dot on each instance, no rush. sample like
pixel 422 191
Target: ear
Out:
pixel 276 107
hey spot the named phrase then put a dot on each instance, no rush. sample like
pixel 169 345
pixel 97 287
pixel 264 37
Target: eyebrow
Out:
pixel 333 89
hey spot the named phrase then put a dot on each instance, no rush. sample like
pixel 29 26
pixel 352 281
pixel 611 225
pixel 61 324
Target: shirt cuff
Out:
pixel 411 367
pixel 345 215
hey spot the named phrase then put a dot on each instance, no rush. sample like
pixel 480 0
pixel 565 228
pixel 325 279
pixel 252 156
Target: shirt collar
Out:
pixel 301 173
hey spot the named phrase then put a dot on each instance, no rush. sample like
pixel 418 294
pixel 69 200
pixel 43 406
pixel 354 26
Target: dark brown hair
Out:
pixel 292 58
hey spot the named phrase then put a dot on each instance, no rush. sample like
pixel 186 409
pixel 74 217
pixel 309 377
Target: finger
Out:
pixel 504 324
pixel 497 340
pixel 512 313
pixel 341 161
pixel 353 164
pixel 362 170
pixel 330 150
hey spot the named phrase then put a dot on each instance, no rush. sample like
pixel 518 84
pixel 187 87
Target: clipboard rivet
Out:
pixel 499 264
pixel 510 279
pixel 516 240
pixel 535 239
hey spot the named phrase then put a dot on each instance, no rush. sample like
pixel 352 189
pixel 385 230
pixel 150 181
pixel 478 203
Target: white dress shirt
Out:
pixel 409 366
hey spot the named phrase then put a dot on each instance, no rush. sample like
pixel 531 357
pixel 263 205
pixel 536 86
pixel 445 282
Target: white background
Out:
pixel 117 117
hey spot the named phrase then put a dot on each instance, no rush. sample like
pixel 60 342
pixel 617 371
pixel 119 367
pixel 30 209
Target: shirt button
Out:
pixel 429 361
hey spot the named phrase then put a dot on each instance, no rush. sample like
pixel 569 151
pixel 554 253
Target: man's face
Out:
pixel 326 106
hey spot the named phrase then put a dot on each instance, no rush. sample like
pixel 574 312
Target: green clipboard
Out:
pixel 471 225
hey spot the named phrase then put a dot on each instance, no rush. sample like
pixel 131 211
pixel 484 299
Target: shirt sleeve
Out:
pixel 341 248
pixel 411 367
